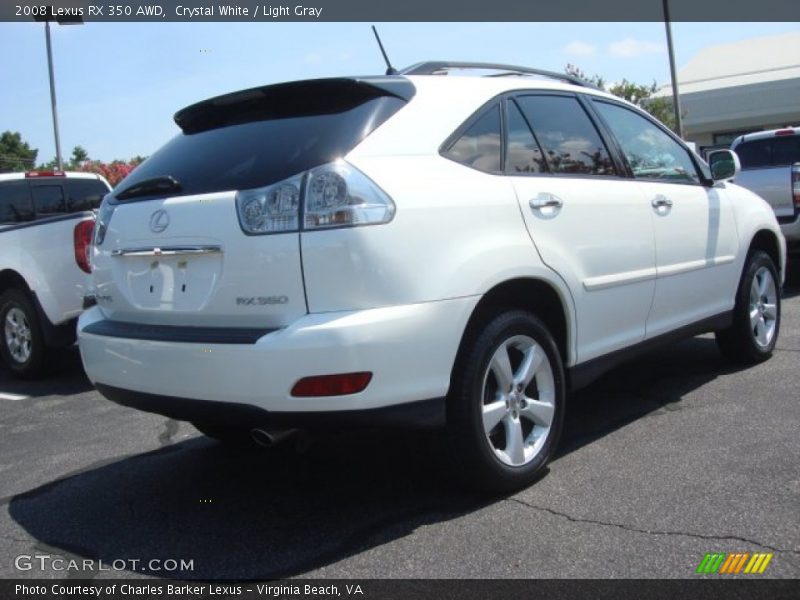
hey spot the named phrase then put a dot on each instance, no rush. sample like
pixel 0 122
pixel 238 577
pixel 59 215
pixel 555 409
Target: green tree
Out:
pixel 50 165
pixel 79 156
pixel 15 154
pixel 635 93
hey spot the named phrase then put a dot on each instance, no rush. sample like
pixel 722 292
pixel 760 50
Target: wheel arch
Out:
pixel 535 295
pixel 55 336
pixel 9 278
pixel 767 241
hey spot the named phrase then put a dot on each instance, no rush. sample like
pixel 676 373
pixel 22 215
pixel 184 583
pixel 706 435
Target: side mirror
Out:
pixel 724 164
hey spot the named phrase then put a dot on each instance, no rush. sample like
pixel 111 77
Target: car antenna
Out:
pixel 390 70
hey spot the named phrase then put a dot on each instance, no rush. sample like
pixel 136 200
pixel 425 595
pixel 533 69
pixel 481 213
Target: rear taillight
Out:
pixel 83 241
pixel 330 196
pixel 341 384
pixel 272 209
pixel 796 185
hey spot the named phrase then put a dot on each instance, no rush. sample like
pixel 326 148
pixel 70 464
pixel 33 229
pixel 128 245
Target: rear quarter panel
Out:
pixel 42 253
pixel 457 232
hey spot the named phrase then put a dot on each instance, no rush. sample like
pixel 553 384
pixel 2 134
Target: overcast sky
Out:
pixel 119 84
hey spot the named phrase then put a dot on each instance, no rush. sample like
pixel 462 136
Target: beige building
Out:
pixel 731 89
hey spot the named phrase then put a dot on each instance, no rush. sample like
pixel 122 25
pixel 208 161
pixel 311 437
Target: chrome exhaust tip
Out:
pixel 268 438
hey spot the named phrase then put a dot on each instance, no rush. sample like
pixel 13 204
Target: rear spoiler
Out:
pixel 292 99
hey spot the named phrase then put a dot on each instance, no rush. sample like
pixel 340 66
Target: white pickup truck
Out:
pixel 770 163
pixel 46 224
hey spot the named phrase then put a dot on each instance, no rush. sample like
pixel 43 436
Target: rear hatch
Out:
pixel 169 246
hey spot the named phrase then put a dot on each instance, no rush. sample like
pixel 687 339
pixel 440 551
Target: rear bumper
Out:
pixel 409 349
pixel 415 415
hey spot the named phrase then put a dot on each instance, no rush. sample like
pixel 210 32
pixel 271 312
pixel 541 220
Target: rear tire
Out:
pixel 506 405
pixel 752 336
pixel 22 344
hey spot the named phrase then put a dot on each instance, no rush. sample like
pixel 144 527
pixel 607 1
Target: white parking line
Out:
pixel 13 397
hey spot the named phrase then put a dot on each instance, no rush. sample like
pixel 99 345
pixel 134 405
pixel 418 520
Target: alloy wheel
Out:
pixel 17 335
pixel 518 400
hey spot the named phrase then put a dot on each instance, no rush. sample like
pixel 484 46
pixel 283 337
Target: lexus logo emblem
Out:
pixel 159 221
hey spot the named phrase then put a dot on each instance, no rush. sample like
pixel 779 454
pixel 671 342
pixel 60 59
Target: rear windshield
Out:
pixel 257 153
pixel 84 194
pixel 781 151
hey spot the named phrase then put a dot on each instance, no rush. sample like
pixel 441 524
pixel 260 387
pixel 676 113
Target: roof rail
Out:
pixel 441 67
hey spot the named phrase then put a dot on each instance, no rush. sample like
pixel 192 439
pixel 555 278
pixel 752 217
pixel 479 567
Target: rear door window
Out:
pixel 569 139
pixel 15 202
pixel 523 153
pixel 84 194
pixel 48 200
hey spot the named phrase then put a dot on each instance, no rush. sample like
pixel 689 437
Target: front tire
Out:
pixel 506 404
pixel 22 344
pixel 752 336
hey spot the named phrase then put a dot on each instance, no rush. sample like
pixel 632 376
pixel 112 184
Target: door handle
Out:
pixel 661 202
pixel 545 200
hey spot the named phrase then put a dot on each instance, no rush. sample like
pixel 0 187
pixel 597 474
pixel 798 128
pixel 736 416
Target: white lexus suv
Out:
pixel 418 250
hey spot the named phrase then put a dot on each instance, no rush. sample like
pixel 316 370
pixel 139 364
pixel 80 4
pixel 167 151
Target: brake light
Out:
pixel 796 185
pixel 82 236
pixel 333 195
pixel 45 174
pixel 781 132
pixel 341 384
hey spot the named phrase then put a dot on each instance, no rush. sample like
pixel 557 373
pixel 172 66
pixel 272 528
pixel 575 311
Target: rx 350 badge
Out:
pixel 261 300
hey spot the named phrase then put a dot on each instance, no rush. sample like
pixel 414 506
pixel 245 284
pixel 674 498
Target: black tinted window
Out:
pixel 523 154
pixel 569 139
pixel 651 152
pixel 479 146
pixel 257 153
pixel 48 199
pixel 780 151
pixel 84 194
pixel 755 154
pixel 785 150
pixel 15 202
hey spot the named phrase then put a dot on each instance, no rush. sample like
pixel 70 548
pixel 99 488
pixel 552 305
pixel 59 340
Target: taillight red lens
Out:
pixel 83 241
pixel 341 384
pixel 45 174
pixel 796 185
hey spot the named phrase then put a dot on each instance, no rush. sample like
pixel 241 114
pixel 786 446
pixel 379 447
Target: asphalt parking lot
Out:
pixel 662 461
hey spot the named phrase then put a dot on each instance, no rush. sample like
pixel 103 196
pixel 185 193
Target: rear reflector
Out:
pixel 82 236
pixel 332 385
pixel 45 174
pixel 796 185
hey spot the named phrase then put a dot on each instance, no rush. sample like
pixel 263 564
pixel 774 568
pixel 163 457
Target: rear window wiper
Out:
pixel 166 184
